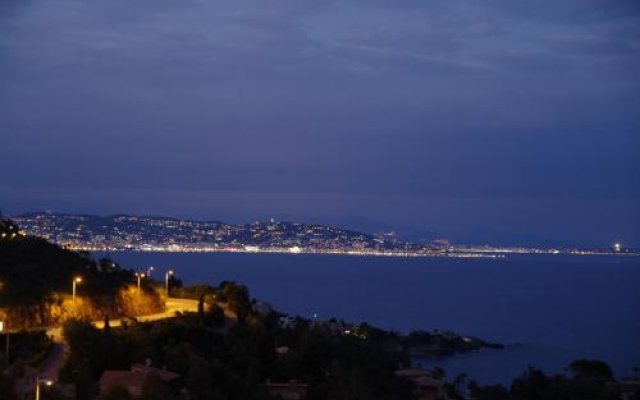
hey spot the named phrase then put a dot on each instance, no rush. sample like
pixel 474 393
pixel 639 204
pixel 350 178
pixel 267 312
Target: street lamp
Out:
pixel 166 282
pixel 140 276
pixel 76 280
pixel 148 271
pixel 4 329
pixel 39 381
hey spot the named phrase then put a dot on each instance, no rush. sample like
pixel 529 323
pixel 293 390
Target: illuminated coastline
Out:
pixel 171 235
pixel 493 253
pixel 275 250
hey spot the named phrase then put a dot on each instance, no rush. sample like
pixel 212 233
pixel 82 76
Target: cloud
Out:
pixel 493 100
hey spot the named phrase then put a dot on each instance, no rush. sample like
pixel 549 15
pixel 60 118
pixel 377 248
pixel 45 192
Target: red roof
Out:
pixel 134 379
pixel 163 374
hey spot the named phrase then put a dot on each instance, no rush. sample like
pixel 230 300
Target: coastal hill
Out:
pixel 146 232
pixel 37 280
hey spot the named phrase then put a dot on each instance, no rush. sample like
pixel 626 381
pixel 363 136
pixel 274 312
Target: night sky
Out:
pixel 481 121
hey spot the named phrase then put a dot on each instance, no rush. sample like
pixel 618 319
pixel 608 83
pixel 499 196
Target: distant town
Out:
pixel 164 234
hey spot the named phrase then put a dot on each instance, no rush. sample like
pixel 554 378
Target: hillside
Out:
pixel 37 276
pixel 140 232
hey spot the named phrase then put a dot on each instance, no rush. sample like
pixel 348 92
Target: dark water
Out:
pixel 553 309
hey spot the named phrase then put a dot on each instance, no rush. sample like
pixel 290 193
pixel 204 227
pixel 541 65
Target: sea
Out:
pixel 547 309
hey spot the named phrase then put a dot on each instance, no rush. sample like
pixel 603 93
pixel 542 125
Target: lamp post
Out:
pixel 166 282
pixel 148 271
pixel 39 381
pixel 76 280
pixel 140 276
pixel 3 329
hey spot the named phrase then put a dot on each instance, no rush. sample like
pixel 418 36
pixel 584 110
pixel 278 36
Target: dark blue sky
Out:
pixel 482 121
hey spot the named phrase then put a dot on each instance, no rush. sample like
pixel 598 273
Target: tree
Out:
pixel 533 384
pixel 490 392
pixel 459 381
pixel 52 393
pixel 591 369
pixel 82 379
pixel 199 378
pixel 6 387
pixel 238 299
pixel 155 388
pixel 92 351
pixel 216 316
pixel 201 306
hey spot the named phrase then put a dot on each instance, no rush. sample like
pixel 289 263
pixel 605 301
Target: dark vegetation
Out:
pixel 27 347
pixel 217 359
pixel 585 380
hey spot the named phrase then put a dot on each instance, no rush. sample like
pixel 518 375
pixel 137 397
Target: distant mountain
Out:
pixel 511 239
pixel 372 226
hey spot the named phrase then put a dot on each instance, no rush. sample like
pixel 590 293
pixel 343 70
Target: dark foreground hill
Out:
pixel 36 282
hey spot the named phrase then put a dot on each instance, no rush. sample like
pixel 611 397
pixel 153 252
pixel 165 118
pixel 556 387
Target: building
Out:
pixel 629 389
pixel 134 379
pixel 262 308
pixel 425 386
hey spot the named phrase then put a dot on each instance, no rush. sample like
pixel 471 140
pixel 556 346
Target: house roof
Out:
pixel 163 374
pixel 127 379
pixel 134 379
pixel 627 385
pixel 419 377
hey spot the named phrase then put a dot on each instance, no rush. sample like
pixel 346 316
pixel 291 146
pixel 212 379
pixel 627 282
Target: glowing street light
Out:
pixel 139 276
pixel 166 282
pixel 76 280
pixel 39 382
pixel 148 271
pixel 617 247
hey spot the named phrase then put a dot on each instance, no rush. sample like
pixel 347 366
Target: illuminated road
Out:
pixel 173 306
